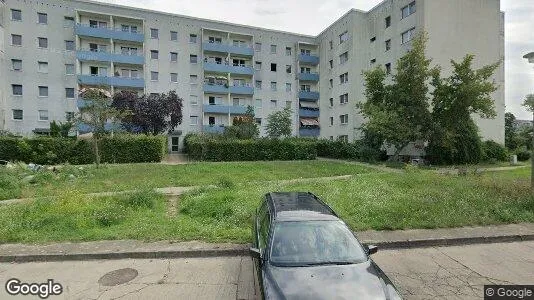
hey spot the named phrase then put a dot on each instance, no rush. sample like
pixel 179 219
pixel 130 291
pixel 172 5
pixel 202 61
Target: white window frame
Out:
pixel 73 93
pixel 18 61
pixel 39 116
pixel 21 114
pixel 20 14
pixel 44 88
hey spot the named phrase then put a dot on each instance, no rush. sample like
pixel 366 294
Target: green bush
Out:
pixel 211 148
pixel 494 151
pixel 357 150
pixel 523 155
pixel 51 151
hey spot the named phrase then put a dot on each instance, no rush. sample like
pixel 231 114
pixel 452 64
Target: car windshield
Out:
pixel 308 243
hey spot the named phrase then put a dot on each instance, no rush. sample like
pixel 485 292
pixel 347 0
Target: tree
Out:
pixel 59 129
pixel 97 112
pixel 511 140
pixel 398 113
pixel 243 127
pixel 279 124
pixel 455 137
pixel 150 114
pixel 529 105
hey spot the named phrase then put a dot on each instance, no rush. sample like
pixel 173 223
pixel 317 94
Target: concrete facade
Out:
pixel 220 68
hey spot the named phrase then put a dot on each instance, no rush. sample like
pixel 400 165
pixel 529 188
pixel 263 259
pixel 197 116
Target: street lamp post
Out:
pixel 530 58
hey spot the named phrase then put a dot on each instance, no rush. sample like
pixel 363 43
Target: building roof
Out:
pixel 293 206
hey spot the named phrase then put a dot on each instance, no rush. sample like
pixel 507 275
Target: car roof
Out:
pixel 298 206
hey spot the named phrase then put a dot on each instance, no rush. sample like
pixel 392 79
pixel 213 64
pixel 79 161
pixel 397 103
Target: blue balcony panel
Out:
pixel 309 59
pixel 213 129
pixel 307 113
pixel 114 81
pixel 310 96
pixel 308 76
pixel 242 90
pixel 86 128
pixel 241 70
pixel 225 109
pixel 307 132
pixel 246 51
pixel 94 80
pixel 238 110
pixel 110 57
pixel 214 67
pixel 215 89
pixel 107 33
pixel 214 47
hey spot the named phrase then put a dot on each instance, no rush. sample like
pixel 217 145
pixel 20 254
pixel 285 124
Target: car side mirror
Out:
pixel 255 253
pixel 372 249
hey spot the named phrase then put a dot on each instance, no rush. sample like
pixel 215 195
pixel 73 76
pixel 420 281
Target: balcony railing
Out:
pixel 224 67
pixel 309 59
pixel 213 128
pixel 225 109
pixel 245 50
pixel 308 113
pixel 112 81
pixel 125 58
pixel 309 132
pixel 309 76
pixel 305 95
pixel 108 33
pixel 216 88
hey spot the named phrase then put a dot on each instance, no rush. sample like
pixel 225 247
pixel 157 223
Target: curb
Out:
pixel 243 250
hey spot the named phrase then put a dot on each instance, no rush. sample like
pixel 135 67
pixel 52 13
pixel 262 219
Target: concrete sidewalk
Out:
pixel 167 249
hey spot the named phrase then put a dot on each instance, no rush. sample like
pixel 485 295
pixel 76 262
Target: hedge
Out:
pixel 206 148
pixel 356 150
pixel 48 151
pixel 494 152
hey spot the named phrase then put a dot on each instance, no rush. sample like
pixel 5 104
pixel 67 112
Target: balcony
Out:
pixel 86 128
pixel 307 113
pixel 309 132
pixel 308 96
pixel 242 90
pixel 88 55
pixel 108 33
pixel 218 129
pixel 241 50
pixel 309 77
pixel 114 81
pixel 216 88
pixel 225 68
pixel 244 50
pixel 225 109
pixel 309 59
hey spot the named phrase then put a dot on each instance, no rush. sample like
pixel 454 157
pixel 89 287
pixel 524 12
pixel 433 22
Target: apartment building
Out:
pixel 49 50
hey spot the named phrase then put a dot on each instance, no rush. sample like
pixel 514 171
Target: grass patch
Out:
pixel 381 201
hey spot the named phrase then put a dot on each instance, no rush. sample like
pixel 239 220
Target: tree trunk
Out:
pixel 97 154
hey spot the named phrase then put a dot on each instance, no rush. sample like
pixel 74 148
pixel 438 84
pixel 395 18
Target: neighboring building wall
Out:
pixel 2 65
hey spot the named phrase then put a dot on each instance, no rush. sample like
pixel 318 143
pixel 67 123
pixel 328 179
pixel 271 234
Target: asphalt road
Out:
pixel 429 273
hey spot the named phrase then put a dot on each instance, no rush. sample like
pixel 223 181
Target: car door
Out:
pixel 261 233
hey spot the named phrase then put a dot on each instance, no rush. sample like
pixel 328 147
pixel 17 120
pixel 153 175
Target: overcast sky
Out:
pixel 288 17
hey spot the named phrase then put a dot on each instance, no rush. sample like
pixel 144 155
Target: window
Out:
pixel 174 36
pixel 238 62
pixel 98 71
pixel 306 52
pixel 305 70
pixel 331 83
pixel 239 43
pixel 257 65
pixel 69 93
pixel 344 99
pixel 343 138
pixel 274 103
pixel 343 58
pixel 344 119
pixel 331 121
pixel 16 40
pixel 193 120
pixel 42 42
pixel 193 99
pixel 43 115
pixel 288 87
pixel 154 54
pixel 388 45
pixel 257 47
pixel 70 46
pixel 305 88
pixel 288 69
pixel 129 28
pixel 154 76
pixel 273 67
pixel 42 18
pixel 68 21
pixel 331 45
pixel 388 68
pixel 16 15
pixel 258 103
pixel 214 40
pixel 174 57
pixel 69 116
pixel 192 38
pixel 408 35
pixel 331 102
pixel 69 69
pixel 408 10
pixel 388 21
pixel 154 33
pixel 174 77
pixel 193 59
pixel 17 114
pixel 288 51
pixel 100 24
pixel 16 64
pixel 193 79
pixel 16 89
pixel 331 63
pixel 42 67
pixel 258 121
pixel 343 37
pixel 273 86
pixel 273 49
pixel 343 78
pixel 373 39
pixel 288 104
pixel 257 84
pixel 43 91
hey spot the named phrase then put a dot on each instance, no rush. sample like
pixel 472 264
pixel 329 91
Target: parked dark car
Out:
pixel 302 250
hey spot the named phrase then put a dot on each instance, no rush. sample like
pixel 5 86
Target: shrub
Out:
pixel 494 151
pixel 357 150
pixel 523 155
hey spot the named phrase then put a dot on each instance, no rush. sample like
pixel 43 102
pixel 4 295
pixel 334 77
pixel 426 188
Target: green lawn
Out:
pixel 142 176
pixel 417 199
